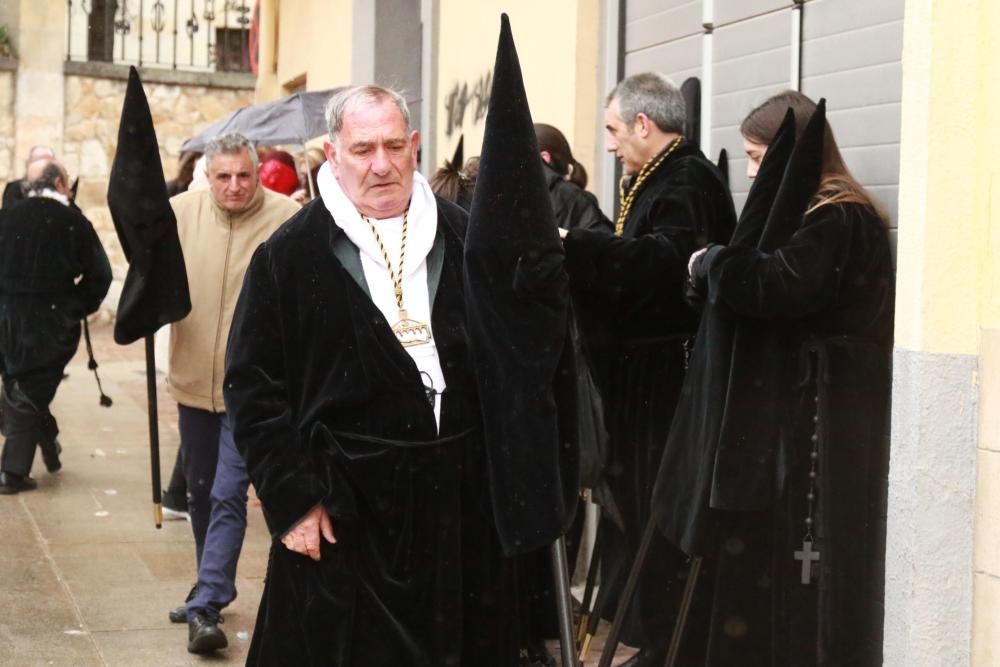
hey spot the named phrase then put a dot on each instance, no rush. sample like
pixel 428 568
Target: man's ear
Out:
pixel 330 151
pixel 643 124
pixel 415 145
pixel 546 157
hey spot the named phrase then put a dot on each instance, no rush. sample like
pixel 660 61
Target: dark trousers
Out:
pixel 27 421
pixel 217 501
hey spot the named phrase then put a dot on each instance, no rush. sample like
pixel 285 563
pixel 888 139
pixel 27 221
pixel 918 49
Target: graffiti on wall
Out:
pixel 467 97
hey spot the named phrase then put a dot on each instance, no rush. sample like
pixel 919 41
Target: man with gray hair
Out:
pixel 17 190
pixel 628 290
pixel 353 401
pixel 219 229
pixel 55 273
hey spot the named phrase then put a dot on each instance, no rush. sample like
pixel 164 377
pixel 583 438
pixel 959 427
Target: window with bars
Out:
pixel 195 35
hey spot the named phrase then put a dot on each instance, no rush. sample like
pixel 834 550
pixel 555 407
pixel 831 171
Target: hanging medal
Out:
pixel 407 331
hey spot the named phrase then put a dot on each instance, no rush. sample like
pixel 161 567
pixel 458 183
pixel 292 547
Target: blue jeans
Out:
pixel 217 502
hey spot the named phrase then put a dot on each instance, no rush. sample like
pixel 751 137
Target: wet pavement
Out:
pixel 86 577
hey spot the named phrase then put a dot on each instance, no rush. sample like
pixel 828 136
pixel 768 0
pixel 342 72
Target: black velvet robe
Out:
pixel 45 246
pixel 636 325
pixel 53 273
pixel 814 321
pixel 328 408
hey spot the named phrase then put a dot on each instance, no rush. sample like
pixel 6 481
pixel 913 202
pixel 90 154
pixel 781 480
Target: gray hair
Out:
pixel 47 150
pixel 338 104
pixel 51 174
pixel 230 144
pixel 653 94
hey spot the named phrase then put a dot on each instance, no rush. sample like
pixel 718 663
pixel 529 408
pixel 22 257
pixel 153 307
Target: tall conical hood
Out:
pixel 691 92
pixel 763 190
pixel 799 183
pixel 156 290
pixel 517 309
pixel 723 165
pixel 459 157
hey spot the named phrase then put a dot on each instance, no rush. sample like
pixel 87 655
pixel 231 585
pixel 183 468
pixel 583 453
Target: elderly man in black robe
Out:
pixel 53 273
pixel 629 293
pixel 354 403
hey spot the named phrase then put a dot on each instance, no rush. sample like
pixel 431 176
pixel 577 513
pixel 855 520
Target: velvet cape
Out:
pixel 328 408
pixel 636 326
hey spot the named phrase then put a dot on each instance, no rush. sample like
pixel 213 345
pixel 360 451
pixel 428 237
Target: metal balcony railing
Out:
pixel 193 35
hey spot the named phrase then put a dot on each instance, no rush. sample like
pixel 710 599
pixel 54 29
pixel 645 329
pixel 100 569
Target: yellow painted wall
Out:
pixel 314 39
pixel 558 56
pixel 949 186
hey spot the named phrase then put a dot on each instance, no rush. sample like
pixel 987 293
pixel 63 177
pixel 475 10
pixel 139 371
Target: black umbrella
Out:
pixel 294 119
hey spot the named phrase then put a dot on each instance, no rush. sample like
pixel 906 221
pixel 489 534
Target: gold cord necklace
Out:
pixel 640 178
pixel 408 332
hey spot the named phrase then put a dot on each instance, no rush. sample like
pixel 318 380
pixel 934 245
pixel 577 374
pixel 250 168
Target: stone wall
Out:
pixel 7 169
pixel 93 110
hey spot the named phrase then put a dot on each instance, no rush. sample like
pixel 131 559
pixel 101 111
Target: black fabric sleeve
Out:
pixel 95 270
pixel 279 458
pixel 617 268
pixel 583 213
pixel 796 280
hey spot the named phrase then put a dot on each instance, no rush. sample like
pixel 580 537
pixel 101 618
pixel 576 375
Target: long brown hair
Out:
pixel 837 185
pixel 552 140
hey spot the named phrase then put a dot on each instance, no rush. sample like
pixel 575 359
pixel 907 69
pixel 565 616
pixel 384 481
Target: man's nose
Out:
pixel 380 162
pixel 610 145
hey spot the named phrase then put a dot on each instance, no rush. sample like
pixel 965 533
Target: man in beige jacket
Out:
pixel 219 230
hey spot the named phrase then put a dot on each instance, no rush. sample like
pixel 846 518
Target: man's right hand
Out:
pixel 303 538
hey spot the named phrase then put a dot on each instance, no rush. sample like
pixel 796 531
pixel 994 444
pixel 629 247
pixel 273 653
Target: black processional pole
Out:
pixel 154 431
pixel 564 605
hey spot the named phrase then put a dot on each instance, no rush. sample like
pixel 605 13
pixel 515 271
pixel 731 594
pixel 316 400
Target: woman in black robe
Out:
pixel 799 524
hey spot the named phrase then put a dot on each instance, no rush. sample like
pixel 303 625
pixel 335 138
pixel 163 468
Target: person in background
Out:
pixel 185 173
pixel 55 273
pixel 573 206
pixel 800 483
pixel 219 228
pixel 16 190
pixel 628 295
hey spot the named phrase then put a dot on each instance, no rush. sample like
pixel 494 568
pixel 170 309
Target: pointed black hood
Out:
pixel 459 157
pixel 764 188
pixel 517 304
pixel 723 165
pixel 156 290
pixel 799 183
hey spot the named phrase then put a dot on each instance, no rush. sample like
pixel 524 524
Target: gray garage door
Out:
pixel 745 50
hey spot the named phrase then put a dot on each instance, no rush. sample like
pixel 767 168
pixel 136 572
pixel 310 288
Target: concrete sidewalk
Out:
pixel 85 577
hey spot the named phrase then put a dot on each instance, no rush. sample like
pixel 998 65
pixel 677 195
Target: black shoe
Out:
pixel 204 635
pixel 180 614
pixel 50 455
pixel 11 484
pixel 174 505
pixel 646 657
pixel 537 655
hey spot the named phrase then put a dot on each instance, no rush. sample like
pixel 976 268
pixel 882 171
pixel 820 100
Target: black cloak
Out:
pixel 327 407
pixel 808 373
pixel 53 273
pixel 156 289
pixel 517 298
pixel 636 326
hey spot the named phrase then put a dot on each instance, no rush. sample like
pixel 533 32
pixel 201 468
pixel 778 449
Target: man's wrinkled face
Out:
pixel 755 153
pixel 233 179
pixel 374 157
pixel 623 141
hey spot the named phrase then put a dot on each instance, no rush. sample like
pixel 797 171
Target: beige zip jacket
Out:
pixel 217 246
